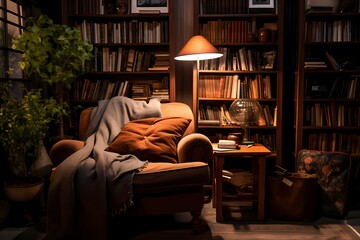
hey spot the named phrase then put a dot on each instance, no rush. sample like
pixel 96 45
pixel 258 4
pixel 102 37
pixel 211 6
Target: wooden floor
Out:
pixel 177 227
pixel 323 228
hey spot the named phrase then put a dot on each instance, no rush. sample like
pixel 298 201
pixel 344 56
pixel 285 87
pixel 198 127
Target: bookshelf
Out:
pixel 133 52
pixel 327 103
pixel 251 67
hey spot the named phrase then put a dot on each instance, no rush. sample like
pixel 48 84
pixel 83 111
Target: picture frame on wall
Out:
pixel 261 6
pixel 149 6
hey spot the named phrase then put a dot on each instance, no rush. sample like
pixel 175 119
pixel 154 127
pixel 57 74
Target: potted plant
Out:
pixel 55 53
pixel 24 124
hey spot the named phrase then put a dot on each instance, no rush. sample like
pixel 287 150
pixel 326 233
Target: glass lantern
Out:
pixel 245 112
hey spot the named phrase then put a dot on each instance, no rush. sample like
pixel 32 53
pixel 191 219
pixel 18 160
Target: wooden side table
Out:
pixel 258 153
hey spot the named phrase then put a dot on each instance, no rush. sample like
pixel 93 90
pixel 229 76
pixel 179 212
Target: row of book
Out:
pixel 123 59
pixel 329 61
pixel 90 90
pixel 241 59
pixel 225 31
pixel 267 140
pixel 336 142
pixel 346 88
pixel 223 6
pixel 332 115
pixel 131 31
pixel 233 31
pixel 339 88
pixel 332 31
pixel 218 115
pixel 235 86
pixel 87 7
pixel 142 90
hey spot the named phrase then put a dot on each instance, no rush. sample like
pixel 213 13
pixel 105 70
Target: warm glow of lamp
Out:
pixel 196 49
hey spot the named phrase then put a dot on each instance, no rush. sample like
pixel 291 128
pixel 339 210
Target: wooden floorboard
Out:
pixel 177 227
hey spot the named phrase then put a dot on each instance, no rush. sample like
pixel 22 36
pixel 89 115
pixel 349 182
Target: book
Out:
pixel 314 62
pixel 262 119
pixel 130 61
pixel 269 115
pixel 228 144
pixel 315 65
pixel 206 122
pixel 333 63
pixel 275 116
pixel 224 120
pixel 227 114
pixel 160 68
pixel 227 173
pixel 243 59
pixel 139 61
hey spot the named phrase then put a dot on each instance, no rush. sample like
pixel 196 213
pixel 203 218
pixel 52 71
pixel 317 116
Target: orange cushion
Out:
pixel 152 139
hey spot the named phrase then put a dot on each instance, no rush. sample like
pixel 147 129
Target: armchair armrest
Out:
pixel 194 147
pixel 63 149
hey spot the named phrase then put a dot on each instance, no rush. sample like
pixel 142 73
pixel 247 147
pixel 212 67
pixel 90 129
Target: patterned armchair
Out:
pixel 332 172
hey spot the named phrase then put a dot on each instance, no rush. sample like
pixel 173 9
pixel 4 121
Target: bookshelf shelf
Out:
pixel 321 128
pixel 238 72
pixel 249 69
pixel 236 16
pixel 133 54
pixel 232 99
pixel 142 45
pixel 112 73
pixel 327 104
pixel 235 126
pixel 115 17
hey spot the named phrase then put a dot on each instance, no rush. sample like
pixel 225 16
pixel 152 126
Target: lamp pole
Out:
pixel 196 49
pixel 197 83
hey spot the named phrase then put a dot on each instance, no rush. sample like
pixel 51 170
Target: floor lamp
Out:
pixel 196 49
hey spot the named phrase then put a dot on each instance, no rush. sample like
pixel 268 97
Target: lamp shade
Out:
pixel 198 48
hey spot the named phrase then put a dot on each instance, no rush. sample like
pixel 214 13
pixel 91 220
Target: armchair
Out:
pixel 162 187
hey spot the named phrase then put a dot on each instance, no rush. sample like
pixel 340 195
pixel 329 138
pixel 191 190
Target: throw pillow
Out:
pixel 152 139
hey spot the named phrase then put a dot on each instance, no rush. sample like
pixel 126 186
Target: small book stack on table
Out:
pixel 228 144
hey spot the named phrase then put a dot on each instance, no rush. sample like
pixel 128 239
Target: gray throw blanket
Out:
pixel 93 183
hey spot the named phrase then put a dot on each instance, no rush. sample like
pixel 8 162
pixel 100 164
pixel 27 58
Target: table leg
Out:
pixel 213 182
pixel 261 187
pixel 219 163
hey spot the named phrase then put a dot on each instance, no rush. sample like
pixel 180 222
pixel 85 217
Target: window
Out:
pixel 11 24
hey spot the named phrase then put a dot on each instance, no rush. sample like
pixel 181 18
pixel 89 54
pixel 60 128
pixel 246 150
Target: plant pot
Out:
pixel 24 188
pixel 236 136
pixel 17 161
pixel 4 210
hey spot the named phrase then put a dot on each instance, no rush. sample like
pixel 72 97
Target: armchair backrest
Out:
pixel 172 109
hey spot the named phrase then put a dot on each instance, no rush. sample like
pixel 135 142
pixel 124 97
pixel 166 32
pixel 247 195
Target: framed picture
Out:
pixel 269 59
pixel 261 6
pixel 149 6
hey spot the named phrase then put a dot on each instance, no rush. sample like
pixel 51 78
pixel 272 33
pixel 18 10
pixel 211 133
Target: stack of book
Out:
pixel 315 63
pixel 160 89
pixel 162 93
pixel 228 144
pixel 237 181
pixel 161 62
pixel 140 91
